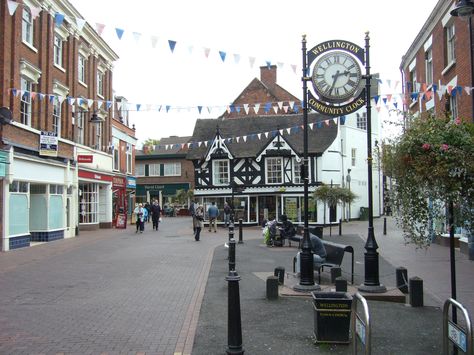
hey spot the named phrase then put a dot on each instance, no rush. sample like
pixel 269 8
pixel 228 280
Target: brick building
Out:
pixel 56 79
pixel 263 95
pixel 163 170
pixel 437 67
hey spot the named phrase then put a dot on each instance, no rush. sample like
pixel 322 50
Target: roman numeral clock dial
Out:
pixel 336 77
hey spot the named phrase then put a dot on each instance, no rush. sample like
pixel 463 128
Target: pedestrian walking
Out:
pixel 140 215
pixel 213 213
pixel 227 212
pixel 147 207
pixel 192 209
pixel 155 214
pixel 198 219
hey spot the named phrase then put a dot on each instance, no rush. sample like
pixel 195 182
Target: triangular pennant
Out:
pixel 137 36
pixel 35 11
pixel 80 23
pixel 172 44
pixel 199 109
pixel 251 61
pixel 280 65
pixel 154 41
pixel 293 67
pixel 468 90
pixel 246 109
pixel 222 54
pixel 311 126
pixel 459 90
pixel 167 108
pixel 236 58
pixel 280 104
pixel 89 102
pixel 58 19
pixel 268 105
pixel 256 108
pixel 389 97
pixel 285 109
pixel 60 98
pixel 33 95
pixel 50 97
pixel 244 138
pixel 237 139
pixel 275 109
pixel 319 124
pixel 205 143
pixel 326 122
pixel 266 134
pixel 70 101
pixel 292 104
pixel 99 104
pixel 259 135
pixel 108 104
pixel 41 96
pixel 376 99
pixel 281 131
pixel 269 64
pixel 119 33
pixel 12 6
pixel 206 52
pixel 99 27
pixel 342 120
pixel 288 130
pixel 119 105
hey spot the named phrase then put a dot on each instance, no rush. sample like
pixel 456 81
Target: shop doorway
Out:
pixel 267 208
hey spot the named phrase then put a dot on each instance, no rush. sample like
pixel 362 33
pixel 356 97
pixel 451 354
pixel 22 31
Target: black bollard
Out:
pixel 232 255
pixel 241 241
pixel 385 226
pixel 280 273
pixel 272 287
pixel 335 273
pixel 340 226
pixel 234 325
pixel 402 279
pixel 416 292
pixel 341 284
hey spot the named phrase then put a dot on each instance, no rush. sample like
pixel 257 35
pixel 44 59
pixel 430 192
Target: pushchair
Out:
pixel 272 235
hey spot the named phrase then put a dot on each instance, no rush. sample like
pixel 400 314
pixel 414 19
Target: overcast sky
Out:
pixel 264 29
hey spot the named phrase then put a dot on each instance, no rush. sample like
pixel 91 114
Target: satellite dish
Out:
pixel 5 115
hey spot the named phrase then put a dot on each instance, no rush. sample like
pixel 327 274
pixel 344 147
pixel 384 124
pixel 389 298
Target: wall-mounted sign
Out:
pixel 118 181
pixel 82 158
pixel 94 176
pixel 48 144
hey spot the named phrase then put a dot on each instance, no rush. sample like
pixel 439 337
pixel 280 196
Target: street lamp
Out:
pixel 464 9
pixel 371 257
pixel 306 259
pixel 348 180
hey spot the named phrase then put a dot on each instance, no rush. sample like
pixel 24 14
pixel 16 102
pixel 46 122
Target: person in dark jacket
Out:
pixel 155 214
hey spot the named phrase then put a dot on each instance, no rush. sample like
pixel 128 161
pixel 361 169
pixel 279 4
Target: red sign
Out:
pixel 94 176
pixel 121 221
pixel 85 158
pixel 118 181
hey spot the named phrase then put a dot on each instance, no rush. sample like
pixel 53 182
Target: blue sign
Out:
pixel 131 182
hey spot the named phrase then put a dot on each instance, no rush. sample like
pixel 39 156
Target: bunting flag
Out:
pixel 99 27
pixel 119 32
pixel 222 55
pixel 12 6
pixel 58 19
pixel 172 44
pixel 80 24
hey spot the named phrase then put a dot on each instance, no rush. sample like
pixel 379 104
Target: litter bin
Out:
pixel 364 214
pixel 332 317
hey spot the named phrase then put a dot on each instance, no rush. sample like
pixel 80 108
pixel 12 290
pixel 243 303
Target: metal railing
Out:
pixel 461 338
pixel 361 325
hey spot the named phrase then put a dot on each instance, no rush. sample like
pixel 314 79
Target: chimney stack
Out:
pixel 268 75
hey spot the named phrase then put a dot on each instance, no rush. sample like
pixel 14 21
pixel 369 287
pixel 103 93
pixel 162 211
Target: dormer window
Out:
pixel 221 172
pixel 274 170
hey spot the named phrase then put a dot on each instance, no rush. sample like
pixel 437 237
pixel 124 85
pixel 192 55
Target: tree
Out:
pixel 432 164
pixel 149 143
pixel 183 196
pixel 332 196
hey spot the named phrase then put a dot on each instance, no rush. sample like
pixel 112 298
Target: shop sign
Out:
pixel 94 176
pixel 81 158
pixel 48 144
pixel 131 182
pixel 118 181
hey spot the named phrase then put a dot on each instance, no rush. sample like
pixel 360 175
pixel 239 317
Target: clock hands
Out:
pixel 335 76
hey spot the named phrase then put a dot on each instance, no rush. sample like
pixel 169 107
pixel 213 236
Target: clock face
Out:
pixel 336 76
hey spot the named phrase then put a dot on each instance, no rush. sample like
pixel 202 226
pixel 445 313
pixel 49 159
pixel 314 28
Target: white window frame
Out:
pixel 58 50
pixel 81 67
pixel 27 26
pixel 353 156
pixel 297 166
pixel 81 115
pixel 100 83
pixel 116 154
pixel 273 175
pixel 220 172
pixel 57 117
pixel 89 203
pixel 139 169
pixel 450 43
pixel 98 135
pixel 172 169
pixel 25 107
pixel 129 156
pixel 154 169
pixel 454 106
pixel 19 187
pixel 429 66
pixel 362 120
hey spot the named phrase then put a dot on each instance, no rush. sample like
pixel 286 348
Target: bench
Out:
pixel 334 255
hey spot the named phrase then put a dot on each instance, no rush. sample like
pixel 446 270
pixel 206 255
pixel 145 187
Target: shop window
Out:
pixel 89 203
pixel 19 186
pixel 37 189
pixel 56 189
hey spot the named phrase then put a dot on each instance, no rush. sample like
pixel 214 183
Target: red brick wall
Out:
pixel 462 68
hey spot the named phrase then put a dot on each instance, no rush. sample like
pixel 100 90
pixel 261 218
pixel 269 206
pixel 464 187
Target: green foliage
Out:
pixel 182 196
pixel 432 163
pixel 333 195
pixel 149 143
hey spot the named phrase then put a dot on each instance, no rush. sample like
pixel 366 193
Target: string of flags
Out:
pixel 254 136
pixel 387 101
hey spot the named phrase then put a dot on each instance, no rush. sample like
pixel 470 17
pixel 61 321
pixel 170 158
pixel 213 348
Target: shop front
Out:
pixel 95 200
pixel 131 192
pixel 119 197
pixel 164 193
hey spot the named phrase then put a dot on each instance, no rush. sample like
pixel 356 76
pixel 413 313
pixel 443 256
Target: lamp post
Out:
pixel 306 259
pixel 371 257
pixel 348 180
